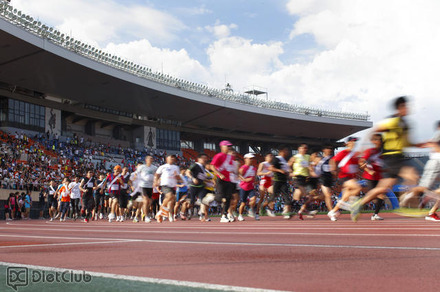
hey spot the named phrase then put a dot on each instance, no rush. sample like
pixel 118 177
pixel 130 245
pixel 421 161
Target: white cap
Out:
pixel 249 155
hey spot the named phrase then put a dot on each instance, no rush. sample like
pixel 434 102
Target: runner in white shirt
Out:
pixel 146 174
pixel 167 177
pixel 75 196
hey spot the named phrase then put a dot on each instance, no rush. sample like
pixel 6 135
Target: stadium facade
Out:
pixel 50 82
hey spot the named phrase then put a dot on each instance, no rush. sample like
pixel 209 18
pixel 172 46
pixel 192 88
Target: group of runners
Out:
pixel 169 193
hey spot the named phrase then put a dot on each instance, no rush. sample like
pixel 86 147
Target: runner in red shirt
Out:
pixel 371 163
pixel 223 165
pixel 247 175
pixel 347 162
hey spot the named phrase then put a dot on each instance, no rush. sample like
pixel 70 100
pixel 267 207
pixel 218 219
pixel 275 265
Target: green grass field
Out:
pixel 96 284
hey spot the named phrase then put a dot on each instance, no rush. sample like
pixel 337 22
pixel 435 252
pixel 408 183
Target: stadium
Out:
pixel 75 107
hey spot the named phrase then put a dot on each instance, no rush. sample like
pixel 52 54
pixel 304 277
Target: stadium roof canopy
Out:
pixel 37 58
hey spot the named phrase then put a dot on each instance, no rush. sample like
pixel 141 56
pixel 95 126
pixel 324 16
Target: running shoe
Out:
pixel 240 218
pixel 270 213
pixel 257 217
pixel 231 217
pixel 135 220
pixel 300 216
pixel 224 219
pixel 147 219
pixel 432 217
pixel 312 214
pixel 101 216
pixel 287 216
pixel 332 215
pixel 182 216
pixel 121 219
pixel 356 210
pixel 251 213
pixel 51 219
pixel 411 212
pixel 171 218
pixel 61 219
pixel 376 217
pixel 86 220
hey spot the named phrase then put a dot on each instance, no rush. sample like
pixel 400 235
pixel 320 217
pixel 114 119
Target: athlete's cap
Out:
pixel 225 143
pixel 249 155
pixel 354 139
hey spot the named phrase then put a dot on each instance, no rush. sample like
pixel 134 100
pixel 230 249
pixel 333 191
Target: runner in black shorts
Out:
pixel 395 138
pixel 123 198
pixel 87 186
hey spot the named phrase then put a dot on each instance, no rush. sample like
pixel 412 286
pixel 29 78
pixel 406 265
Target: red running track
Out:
pixel 397 254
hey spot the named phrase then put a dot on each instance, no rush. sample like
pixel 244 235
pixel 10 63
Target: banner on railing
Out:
pixel 150 137
pixel 53 121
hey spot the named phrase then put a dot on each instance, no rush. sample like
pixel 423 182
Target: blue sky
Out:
pixel 349 55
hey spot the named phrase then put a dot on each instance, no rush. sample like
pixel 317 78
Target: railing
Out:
pixel 28 23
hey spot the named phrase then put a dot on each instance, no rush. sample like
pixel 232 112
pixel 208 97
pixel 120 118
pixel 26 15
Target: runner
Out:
pixel 123 197
pixel 235 179
pixel 265 187
pixel 207 196
pixel 146 174
pixel 326 167
pixel 395 138
pixel 347 161
pixel 136 197
pixel 222 165
pixel 87 186
pixel 281 174
pixel 300 164
pixel 100 198
pixel 64 194
pixel 167 177
pixel 247 175
pixel 113 188
pixel 197 177
pixel 182 193
pixel 371 163
pixel 75 197
pixel 312 186
pixel 430 176
pixel 52 199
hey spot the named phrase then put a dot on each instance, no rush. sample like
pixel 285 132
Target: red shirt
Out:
pixel 247 172
pixel 114 188
pixel 374 162
pixel 350 168
pixel 224 163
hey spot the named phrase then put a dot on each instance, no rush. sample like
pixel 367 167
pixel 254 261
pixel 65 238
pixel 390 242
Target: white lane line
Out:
pixel 58 237
pixel 241 244
pixel 289 245
pixel 212 232
pixel 64 244
pixel 143 279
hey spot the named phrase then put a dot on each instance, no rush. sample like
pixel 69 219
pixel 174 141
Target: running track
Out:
pixel 397 254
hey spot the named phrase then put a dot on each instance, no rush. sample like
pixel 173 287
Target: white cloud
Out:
pixel 373 51
pixel 242 62
pixel 221 30
pixel 102 21
pixel 176 63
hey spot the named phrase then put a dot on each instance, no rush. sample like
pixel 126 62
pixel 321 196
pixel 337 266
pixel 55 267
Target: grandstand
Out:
pixel 51 82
